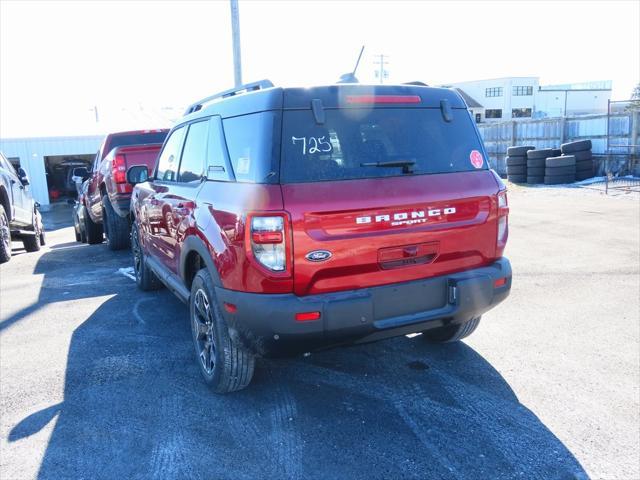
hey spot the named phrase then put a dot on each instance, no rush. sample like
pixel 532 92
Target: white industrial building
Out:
pixel 44 160
pixel 502 99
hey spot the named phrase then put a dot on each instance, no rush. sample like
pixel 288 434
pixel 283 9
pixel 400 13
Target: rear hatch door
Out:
pixel 385 193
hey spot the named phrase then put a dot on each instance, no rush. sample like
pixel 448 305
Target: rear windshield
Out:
pixel 372 143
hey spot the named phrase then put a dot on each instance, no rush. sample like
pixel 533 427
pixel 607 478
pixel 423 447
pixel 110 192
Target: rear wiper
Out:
pixel 405 164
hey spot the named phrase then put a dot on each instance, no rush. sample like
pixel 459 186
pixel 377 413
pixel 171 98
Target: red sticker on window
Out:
pixel 476 159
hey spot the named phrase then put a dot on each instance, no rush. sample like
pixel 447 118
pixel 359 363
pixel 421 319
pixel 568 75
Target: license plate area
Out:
pixel 407 298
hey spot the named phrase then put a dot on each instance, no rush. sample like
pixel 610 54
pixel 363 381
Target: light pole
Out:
pixel 235 35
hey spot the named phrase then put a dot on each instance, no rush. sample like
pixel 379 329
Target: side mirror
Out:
pixel 137 174
pixel 81 172
pixel 22 175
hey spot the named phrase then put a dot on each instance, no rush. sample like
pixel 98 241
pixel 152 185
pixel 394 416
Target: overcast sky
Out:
pixel 135 60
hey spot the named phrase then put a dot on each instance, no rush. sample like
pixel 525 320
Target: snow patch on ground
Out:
pixel 127 272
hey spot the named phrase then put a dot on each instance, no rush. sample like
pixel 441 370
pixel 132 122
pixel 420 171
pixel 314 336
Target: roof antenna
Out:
pixel 351 77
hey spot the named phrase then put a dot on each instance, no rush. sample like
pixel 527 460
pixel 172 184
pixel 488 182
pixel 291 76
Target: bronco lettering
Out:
pixel 407 218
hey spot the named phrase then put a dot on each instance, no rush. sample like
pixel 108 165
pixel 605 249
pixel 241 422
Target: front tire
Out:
pixel 145 278
pixel 452 333
pixel 225 364
pixel 5 237
pixel 116 228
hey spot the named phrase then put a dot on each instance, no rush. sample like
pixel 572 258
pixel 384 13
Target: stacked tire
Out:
pixel 536 164
pixel 559 170
pixel 517 163
pixel 581 151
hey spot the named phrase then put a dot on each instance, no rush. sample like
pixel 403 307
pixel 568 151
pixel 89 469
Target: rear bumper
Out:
pixel 266 322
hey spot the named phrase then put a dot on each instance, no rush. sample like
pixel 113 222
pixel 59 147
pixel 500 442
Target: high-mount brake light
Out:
pixel 503 222
pixel 268 242
pixel 376 99
pixel 119 168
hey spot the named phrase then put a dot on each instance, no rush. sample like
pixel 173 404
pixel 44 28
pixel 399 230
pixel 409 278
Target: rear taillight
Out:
pixel 119 169
pixel 503 222
pixel 268 242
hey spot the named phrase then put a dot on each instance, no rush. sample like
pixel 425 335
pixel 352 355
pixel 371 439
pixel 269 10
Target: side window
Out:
pixel 167 170
pixel 194 153
pixel 218 167
pixel 254 144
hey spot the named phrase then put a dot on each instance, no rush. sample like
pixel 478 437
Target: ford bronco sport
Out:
pixel 295 219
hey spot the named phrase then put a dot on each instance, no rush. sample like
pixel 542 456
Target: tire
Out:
pixel 535 172
pixel 535 162
pixel 5 237
pixel 559 179
pixel 32 242
pixel 92 230
pixel 40 228
pixel 576 146
pixel 515 161
pixel 554 171
pixel 116 228
pixel 563 161
pixel 517 178
pixel 146 280
pixel 543 153
pixel 451 333
pixel 225 364
pixel 76 227
pixel 519 151
pixel 535 180
pixel 583 155
pixel 517 170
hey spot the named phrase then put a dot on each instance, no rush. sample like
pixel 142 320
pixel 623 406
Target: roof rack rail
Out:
pixel 247 87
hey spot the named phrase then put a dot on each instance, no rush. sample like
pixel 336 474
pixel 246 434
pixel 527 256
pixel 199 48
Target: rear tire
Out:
pixel 5 237
pixel 145 278
pixel 116 228
pixel 93 231
pixel 225 364
pixel 32 243
pixel 452 333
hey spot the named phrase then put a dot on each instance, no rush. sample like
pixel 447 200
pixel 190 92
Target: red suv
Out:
pixel 294 219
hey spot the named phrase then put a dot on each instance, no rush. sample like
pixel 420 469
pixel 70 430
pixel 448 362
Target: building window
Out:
pixel 521 113
pixel 522 91
pixel 493 92
pixel 493 113
pixel 478 118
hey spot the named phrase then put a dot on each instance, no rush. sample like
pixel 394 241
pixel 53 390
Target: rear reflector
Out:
pixel 266 237
pixel 230 307
pixel 307 316
pixel 359 99
pixel 501 282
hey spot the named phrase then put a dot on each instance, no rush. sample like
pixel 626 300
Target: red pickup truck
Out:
pixel 106 203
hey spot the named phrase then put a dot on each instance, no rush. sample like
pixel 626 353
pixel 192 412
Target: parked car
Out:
pixel 78 213
pixel 106 202
pixel 19 214
pixel 293 219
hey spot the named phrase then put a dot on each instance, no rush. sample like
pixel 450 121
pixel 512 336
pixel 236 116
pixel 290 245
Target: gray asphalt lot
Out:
pixel 98 380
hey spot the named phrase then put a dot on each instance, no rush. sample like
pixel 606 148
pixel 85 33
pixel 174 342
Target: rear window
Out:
pixel 356 143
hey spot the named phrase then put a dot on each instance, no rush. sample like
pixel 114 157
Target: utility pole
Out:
pixel 382 73
pixel 235 35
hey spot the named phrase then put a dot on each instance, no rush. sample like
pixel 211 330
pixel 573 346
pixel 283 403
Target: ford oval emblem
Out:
pixel 318 255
